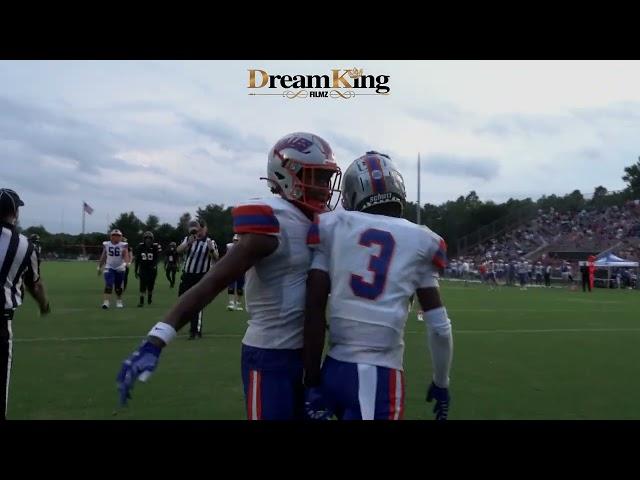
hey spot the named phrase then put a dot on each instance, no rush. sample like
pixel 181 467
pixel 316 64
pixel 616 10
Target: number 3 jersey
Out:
pixel 376 263
pixel 275 286
pixel 115 255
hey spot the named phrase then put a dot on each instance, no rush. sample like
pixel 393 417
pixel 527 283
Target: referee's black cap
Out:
pixel 9 201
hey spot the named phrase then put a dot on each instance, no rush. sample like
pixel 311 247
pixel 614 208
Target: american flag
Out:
pixel 87 208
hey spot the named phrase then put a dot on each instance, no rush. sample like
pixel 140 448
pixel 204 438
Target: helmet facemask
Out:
pixel 314 187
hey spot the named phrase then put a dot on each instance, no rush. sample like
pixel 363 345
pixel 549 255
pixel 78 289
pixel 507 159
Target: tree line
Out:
pixel 452 219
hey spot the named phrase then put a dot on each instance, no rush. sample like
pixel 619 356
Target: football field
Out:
pixel 535 354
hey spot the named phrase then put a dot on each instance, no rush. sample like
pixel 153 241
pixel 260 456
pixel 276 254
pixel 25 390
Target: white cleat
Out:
pixel 239 308
pixel 119 304
pixel 105 305
pixel 420 317
pixel 231 306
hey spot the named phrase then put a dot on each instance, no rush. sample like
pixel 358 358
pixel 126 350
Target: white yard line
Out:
pixel 547 330
pixel 115 337
pixel 233 335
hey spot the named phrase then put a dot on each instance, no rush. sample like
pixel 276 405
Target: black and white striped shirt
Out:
pixel 18 262
pixel 198 255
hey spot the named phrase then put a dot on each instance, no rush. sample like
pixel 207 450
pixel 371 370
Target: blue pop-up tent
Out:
pixel 609 261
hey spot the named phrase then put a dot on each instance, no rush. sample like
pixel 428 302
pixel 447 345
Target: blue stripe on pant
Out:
pixel 358 391
pixel 272 381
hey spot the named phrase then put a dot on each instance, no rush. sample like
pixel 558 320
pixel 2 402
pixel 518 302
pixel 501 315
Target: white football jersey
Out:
pixel 275 287
pixel 376 263
pixel 115 255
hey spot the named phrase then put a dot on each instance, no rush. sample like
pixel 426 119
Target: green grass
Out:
pixel 536 354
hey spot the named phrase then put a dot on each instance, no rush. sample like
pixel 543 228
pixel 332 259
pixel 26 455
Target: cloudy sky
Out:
pixel 165 137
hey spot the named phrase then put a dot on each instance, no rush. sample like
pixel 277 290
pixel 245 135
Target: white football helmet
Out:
pixel 302 168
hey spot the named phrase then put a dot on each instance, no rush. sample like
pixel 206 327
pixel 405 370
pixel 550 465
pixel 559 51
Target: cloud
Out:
pixel 507 125
pixel 225 135
pixel 157 138
pixel 589 154
pixel 458 166
pixel 38 131
pixel 46 153
pixel 445 114
pixel 352 145
pixel 608 118
pixel 617 112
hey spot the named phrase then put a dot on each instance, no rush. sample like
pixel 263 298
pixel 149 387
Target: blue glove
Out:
pixel 140 365
pixel 442 398
pixel 315 407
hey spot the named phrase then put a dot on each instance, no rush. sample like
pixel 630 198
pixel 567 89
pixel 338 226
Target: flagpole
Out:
pixel 84 253
pixel 418 219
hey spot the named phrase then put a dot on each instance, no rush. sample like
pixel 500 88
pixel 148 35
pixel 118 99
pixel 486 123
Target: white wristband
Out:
pixel 163 331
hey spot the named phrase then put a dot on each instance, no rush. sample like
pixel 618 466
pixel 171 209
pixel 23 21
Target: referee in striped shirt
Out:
pixel 18 266
pixel 201 252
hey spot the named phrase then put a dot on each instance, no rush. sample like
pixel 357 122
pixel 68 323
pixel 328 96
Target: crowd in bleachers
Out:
pixel 590 229
pixel 597 229
pixel 614 228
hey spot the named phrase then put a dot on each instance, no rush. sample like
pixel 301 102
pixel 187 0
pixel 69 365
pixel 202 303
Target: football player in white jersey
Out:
pixel 465 271
pixel 235 291
pixel 538 271
pixel 523 273
pixel 371 261
pixel 272 250
pixel 491 275
pixel 500 270
pixel 114 258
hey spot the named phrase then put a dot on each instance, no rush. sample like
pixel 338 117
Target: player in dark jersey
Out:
pixel 171 259
pixel 147 255
pixel 35 240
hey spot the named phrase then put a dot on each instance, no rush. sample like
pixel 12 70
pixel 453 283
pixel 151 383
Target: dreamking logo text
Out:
pixel 338 84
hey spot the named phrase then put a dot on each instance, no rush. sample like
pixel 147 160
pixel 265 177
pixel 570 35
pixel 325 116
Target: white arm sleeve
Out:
pixel 320 260
pixel 428 277
pixel 431 258
pixel 318 241
pixel 440 342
